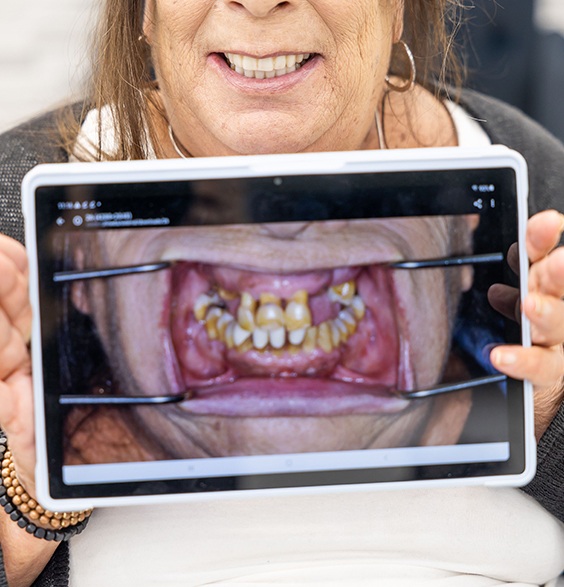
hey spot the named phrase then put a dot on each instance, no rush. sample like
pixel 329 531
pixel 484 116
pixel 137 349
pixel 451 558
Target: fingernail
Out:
pixel 503 357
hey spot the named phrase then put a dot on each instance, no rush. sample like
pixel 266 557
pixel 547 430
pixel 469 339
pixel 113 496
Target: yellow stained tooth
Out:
pixel 229 335
pixel 335 334
pixel 212 316
pixel 343 293
pixel 248 302
pixel 246 346
pixel 227 295
pixel 269 298
pixel 246 318
pixel 270 316
pixel 343 330
pixel 297 316
pixel 301 297
pixel 358 307
pixel 202 303
pixel 310 341
pixel 348 319
pixel 296 337
pixel 324 337
pixel 240 335
pixel 224 321
pixel 260 338
pixel 277 337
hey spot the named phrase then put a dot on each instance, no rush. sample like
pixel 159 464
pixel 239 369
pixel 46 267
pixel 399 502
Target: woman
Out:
pixel 219 77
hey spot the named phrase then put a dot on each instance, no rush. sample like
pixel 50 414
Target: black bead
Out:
pixel 15 515
pixel 49 535
pixel 4 500
pixel 40 533
pixel 31 528
pixel 9 508
pixel 59 536
pixel 22 522
pixel 2 489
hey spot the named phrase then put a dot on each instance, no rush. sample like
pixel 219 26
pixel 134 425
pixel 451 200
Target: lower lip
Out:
pixel 291 397
pixel 275 84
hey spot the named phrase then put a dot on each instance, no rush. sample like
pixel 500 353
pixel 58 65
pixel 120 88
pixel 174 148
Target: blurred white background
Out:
pixel 42 49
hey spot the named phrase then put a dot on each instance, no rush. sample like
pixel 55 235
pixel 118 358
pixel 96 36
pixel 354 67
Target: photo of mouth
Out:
pixel 277 338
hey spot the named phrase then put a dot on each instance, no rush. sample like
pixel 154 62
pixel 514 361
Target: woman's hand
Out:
pixel 543 363
pixel 16 402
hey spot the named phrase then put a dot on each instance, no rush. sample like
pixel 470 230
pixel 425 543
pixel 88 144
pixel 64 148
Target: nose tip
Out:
pixel 260 8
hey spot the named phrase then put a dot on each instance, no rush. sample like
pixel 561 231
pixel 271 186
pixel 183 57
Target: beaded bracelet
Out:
pixel 25 511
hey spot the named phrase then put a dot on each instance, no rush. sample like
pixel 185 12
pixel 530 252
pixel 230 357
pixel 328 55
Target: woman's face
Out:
pixel 290 337
pixel 229 84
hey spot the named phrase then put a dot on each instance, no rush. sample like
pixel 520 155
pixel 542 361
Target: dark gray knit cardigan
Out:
pixel 25 146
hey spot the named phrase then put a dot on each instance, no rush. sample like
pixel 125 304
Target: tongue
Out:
pixel 369 356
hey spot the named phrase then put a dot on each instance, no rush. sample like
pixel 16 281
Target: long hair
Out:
pixel 121 70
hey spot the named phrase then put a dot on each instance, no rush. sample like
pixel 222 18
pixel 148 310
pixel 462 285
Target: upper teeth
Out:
pixel 259 323
pixel 266 67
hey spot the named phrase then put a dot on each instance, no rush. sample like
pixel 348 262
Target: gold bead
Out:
pixel 5 463
pixel 49 513
pixel 58 515
pixel 65 523
pixel 8 455
pixel 5 472
pixel 25 497
pixel 44 520
pixel 24 508
pixel 11 491
pixel 20 490
pixel 32 503
pixel 17 501
pixel 39 509
pixel 55 523
pixel 7 482
pixel 33 515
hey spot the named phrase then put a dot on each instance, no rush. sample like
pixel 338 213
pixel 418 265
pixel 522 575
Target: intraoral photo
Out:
pixel 274 338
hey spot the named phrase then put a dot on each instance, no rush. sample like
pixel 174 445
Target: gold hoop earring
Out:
pixel 412 72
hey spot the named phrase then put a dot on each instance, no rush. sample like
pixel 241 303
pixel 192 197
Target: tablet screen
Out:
pixel 276 331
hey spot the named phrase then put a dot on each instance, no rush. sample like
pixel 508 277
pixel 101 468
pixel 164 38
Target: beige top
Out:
pixel 462 537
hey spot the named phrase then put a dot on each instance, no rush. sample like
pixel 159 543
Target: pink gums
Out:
pixel 355 378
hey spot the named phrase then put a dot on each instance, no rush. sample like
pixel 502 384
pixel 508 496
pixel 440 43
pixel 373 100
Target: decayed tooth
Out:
pixel 224 321
pixel 240 335
pixel 297 314
pixel 296 337
pixel 270 316
pixel 227 295
pixel 348 318
pixel 358 307
pixel 324 337
pixel 202 303
pixel 342 293
pixel 247 301
pixel 246 311
pixel 277 337
pixel 335 334
pixel 310 341
pixel 269 298
pixel 342 328
pixel 229 334
pixel 260 338
pixel 212 317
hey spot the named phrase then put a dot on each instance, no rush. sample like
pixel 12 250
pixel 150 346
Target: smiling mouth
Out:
pixel 327 343
pixel 266 67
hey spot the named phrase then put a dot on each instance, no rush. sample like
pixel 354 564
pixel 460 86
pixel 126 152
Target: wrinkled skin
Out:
pixel 157 346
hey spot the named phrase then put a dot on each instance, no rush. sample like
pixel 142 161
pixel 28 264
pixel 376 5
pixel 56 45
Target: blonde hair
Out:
pixel 122 72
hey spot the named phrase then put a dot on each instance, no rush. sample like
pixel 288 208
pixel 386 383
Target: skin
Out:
pixel 128 313
pixel 211 118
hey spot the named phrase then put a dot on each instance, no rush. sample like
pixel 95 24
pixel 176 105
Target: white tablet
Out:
pixel 290 322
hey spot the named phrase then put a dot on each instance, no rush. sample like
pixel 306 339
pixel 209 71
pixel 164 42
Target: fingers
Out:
pixel 505 300
pixel 14 301
pixel 543 233
pixel 546 315
pixel 542 366
pixel 547 275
